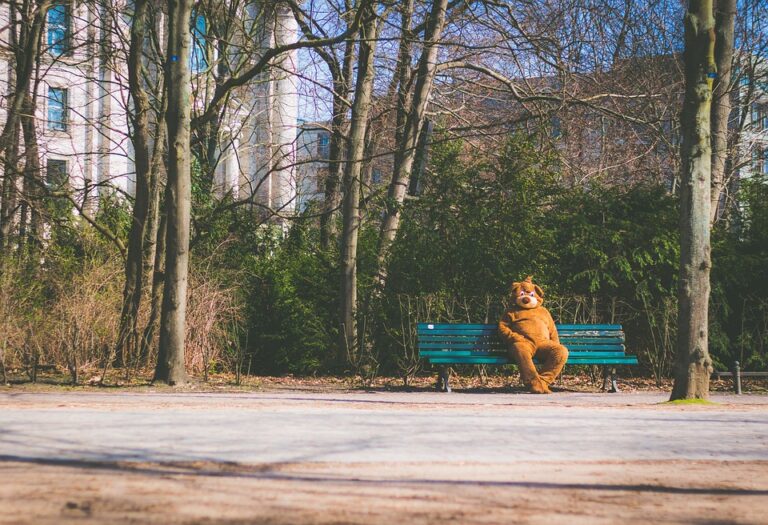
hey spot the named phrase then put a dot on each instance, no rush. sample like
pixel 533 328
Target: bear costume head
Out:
pixel 526 294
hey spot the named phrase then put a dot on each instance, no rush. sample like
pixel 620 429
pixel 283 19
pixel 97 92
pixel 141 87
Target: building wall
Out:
pixel 94 142
pixel 257 144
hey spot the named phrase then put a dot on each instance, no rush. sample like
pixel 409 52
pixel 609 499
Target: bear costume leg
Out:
pixel 552 357
pixel 523 353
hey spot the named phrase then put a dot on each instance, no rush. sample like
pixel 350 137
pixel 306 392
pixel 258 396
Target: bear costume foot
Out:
pixel 539 386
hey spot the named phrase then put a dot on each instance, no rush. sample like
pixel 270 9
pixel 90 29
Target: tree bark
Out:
pixel 410 134
pixel 134 261
pixel 9 195
pixel 336 153
pixel 170 362
pixel 694 365
pixel 351 204
pixel 158 281
pixel 725 14
pixel 33 182
pixel 26 56
pixel 156 190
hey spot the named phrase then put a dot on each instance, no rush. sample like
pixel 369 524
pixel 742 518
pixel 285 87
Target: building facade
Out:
pixel 83 105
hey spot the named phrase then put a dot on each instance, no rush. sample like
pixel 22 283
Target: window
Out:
pixel 376 176
pixel 57 179
pixel 59 29
pixel 198 57
pixel 760 116
pixel 57 109
pixel 56 176
pixel 323 145
pixel 760 160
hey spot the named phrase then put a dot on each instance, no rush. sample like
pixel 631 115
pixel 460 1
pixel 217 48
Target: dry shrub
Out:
pixel 214 314
pixel 66 316
pixel 83 319
pixel 56 318
pixel 17 304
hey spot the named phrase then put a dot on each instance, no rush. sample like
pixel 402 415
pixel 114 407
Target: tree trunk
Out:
pixel 694 365
pixel 351 205
pixel 156 190
pixel 158 281
pixel 170 362
pixel 26 56
pixel 127 338
pixel 410 134
pixel 9 195
pixel 336 153
pixel 33 182
pixel 725 14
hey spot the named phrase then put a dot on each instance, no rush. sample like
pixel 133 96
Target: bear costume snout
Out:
pixel 526 294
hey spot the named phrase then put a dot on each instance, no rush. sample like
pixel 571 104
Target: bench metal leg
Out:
pixel 442 380
pixel 610 371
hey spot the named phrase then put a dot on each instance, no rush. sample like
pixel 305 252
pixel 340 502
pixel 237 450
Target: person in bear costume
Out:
pixel 529 331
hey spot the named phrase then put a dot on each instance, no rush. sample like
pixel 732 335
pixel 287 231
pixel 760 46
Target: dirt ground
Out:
pixel 36 488
pixel 467 379
pixel 691 492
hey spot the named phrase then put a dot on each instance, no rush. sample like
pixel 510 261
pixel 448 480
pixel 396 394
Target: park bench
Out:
pixel 479 344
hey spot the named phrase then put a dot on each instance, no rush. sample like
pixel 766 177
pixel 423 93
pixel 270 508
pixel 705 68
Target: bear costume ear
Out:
pixel 538 290
pixel 513 287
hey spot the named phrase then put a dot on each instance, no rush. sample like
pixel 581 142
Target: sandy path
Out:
pixel 489 459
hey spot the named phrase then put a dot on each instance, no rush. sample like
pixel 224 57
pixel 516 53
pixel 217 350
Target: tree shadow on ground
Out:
pixel 280 472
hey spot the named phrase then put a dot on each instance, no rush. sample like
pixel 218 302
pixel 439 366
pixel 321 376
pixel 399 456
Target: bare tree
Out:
pixel 28 49
pixel 141 138
pixel 725 15
pixel 411 130
pixel 170 361
pixel 361 108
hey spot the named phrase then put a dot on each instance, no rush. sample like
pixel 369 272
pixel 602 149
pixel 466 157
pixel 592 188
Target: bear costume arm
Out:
pixel 553 335
pixel 506 331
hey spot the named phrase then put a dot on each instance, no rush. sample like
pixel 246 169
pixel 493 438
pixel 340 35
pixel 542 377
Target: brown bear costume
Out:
pixel 529 331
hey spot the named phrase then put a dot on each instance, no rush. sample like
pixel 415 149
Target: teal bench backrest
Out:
pixel 444 343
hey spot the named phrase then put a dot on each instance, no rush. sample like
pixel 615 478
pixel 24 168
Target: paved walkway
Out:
pixel 376 458
pixel 279 427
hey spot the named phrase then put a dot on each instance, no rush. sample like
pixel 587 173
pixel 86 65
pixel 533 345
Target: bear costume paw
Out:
pixel 539 386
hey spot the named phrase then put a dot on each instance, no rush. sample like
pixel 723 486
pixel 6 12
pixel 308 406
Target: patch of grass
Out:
pixel 689 402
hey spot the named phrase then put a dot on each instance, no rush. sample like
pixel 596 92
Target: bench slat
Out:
pixel 500 360
pixel 452 345
pixel 471 360
pixel 591 340
pixel 451 326
pixel 466 332
pixel 461 346
pixel 626 360
pixel 465 353
pixel 474 326
pixel 574 340
pixel 604 327
pixel 494 333
pixel 459 353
